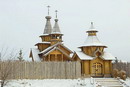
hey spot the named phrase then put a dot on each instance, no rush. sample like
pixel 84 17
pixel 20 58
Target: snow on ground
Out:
pixel 128 81
pixel 55 83
pixel 49 83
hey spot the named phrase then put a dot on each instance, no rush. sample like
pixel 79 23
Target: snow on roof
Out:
pixel 108 56
pixel 56 48
pixel 50 51
pixel 92 41
pixel 44 35
pixel 105 56
pixel 71 55
pixel 48 48
pixel 83 56
pixel 56 33
pixel 35 52
pixel 66 48
pixel 43 42
pixel 63 52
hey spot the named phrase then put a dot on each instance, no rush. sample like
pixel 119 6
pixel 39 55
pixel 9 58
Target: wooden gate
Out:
pixel 97 69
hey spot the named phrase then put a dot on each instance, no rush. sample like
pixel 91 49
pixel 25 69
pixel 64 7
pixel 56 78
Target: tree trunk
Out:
pixel 2 83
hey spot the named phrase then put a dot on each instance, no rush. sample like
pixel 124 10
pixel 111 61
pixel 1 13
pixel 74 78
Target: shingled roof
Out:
pixel 48 27
pixel 56 29
pixel 92 40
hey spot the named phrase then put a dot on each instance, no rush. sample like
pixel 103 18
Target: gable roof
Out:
pixel 50 51
pixel 56 48
pixel 51 47
pixel 66 48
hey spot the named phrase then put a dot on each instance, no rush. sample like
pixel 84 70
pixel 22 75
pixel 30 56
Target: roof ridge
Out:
pixel 49 48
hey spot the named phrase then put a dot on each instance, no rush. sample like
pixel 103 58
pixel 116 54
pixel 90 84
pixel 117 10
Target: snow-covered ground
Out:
pixel 54 83
pixel 50 83
pixel 127 82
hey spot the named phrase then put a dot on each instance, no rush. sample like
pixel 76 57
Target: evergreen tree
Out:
pixel 20 57
pixel 116 61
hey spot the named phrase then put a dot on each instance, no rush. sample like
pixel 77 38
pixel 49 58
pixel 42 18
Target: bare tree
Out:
pixel 6 66
pixel 5 72
pixel 122 66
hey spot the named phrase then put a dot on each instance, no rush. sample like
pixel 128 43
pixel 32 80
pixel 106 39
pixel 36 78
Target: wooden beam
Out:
pixel 49 57
pixel 62 57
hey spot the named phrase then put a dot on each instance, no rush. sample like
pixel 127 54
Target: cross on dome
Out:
pixel 48 9
pixel 92 26
pixel 48 28
pixel 56 13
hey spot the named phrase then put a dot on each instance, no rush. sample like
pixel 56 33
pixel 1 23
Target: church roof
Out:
pixel 35 55
pixel 105 56
pixel 48 27
pixel 49 48
pixel 108 56
pixel 44 35
pixel 53 46
pixel 92 41
pixel 83 56
pixel 44 42
pixel 56 29
pixel 56 48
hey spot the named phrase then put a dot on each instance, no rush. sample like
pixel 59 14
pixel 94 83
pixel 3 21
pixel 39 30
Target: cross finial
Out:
pixel 91 23
pixel 56 13
pixel 48 9
pixel 91 27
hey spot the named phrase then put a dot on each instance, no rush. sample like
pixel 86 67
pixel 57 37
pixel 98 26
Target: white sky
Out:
pixel 22 21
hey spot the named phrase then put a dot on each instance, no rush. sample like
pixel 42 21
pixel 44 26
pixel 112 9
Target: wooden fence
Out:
pixel 41 70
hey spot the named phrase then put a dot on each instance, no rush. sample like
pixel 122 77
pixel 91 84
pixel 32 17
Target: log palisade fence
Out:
pixel 43 70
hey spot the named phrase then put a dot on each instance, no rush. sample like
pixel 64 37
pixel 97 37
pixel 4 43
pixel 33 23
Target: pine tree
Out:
pixel 20 57
pixel 116 61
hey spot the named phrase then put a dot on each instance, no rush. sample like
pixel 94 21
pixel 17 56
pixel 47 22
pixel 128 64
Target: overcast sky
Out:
pixel 23 21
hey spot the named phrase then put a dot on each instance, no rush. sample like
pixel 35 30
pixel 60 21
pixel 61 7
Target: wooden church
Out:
pixel 94 60
pixel 51 47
